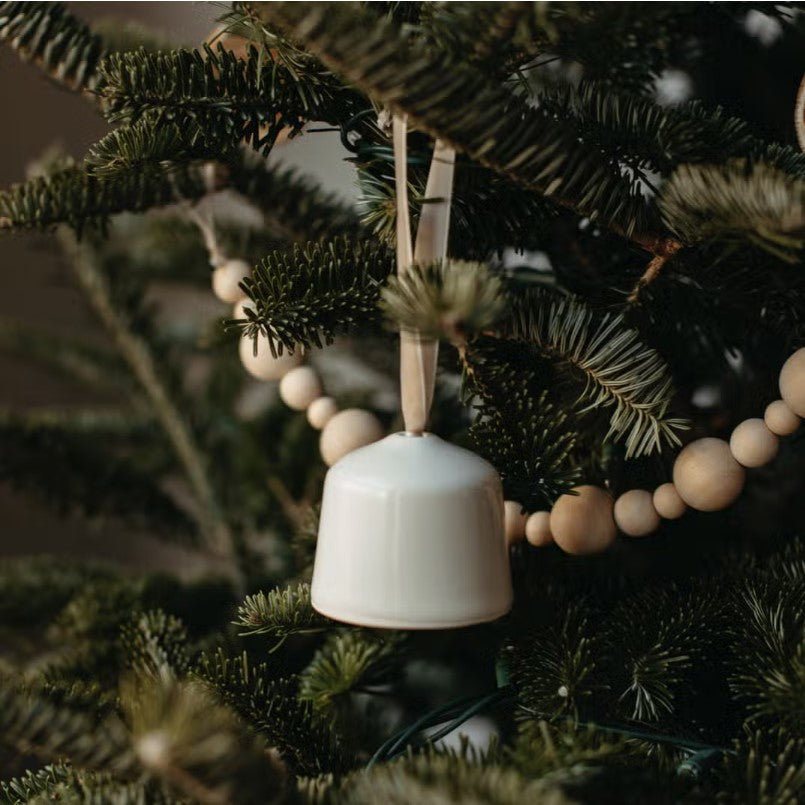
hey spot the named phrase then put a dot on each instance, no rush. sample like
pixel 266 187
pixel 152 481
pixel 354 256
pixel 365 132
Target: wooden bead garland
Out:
pixel 321 411
pixel 667 502
pixel 347 431
pixel 300 387
pixel 707 476
pixel 753 444
pixel 635 514
pixel 583 523
pixel 514 519
pixel 780 419
pixel 538 529
pixel 226 280
pixel 792 382
pixel 262 364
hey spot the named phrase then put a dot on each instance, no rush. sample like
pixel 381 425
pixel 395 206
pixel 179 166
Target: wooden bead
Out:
pixel 513 521
pixel 238 311
pixel 780 419
pixel 299 387
pixel 635 514
pixel 792 382
pixel 707 476
pixel 321 411
pixel 583 523
pixel 753 444
pixel 263 365
pixel 667 502
pixel 226 280
pixel 347 431
pixel 538 529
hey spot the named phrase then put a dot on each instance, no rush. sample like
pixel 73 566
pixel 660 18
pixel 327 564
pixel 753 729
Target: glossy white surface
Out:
pixel 411 537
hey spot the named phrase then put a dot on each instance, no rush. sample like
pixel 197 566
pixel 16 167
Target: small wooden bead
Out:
pixel 780 419
pixel 513 521
pixel 753 444
pixel 238 311
pixel 635 514
pixel 707 476
pixel 347 431
pixel 538 529
pixel 263 365
pixel 667 502
pixel 321 411
pixel 583 523
pixel 226 280
pixel 792 382
pixel 299 387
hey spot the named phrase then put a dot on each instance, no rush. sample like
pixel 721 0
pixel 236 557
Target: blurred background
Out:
pixel 36 288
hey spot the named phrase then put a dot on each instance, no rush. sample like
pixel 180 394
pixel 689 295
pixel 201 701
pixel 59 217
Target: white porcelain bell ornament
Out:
pixel 411 534
pixel 411 537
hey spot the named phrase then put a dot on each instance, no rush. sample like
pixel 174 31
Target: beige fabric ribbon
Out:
pixel 418 356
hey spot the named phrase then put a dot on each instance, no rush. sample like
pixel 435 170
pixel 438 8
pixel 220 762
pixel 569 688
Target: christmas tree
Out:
pixel 623 278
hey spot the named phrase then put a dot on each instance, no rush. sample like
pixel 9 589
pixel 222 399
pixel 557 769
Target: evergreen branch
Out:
pixel 252 99
pixel 310 295
pixel 138 356
pixel 271 706
pixel 31 724
pixel 620 372
pixel 280 613
pixel 346 661
pixel 69 464
pixel 451 299
pixel 57 779
pixel 457 103
pixel 155 644
pixel 197 746
pixel 738 200
pixel 74 197
pixel 47 33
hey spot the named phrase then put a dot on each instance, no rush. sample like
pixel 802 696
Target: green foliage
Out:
pixel 156 644
pixel 639 390
pixel 41 784
pixel 280 613
pixel 458 103
pixel 739 200
pixel 307 296
pixel 450 299
pixel 48 34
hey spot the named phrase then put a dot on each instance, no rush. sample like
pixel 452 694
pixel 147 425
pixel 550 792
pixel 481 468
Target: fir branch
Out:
pixel 456 103
pixel 58 778
pixel 197 746
pixel 309 295
pixel 280 613
pixel 269 703
pixel 155 644
pixel 252 99
pixel 451 299
pixel 74 197
pixel 348 660
pixel 139 358
pixel 48 34
pixel 620 372
pixel 32 724
pixel 735 201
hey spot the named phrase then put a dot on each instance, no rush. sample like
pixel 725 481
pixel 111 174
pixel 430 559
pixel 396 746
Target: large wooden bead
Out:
pixel 538 529
pixel 792 382
pixel 667 502
pixel 239 310
pixel 780 419
pixel 753 444
pixel 707 476
pixel 263 365
pixel 635 514
pixel 226 280
pixel 583 523
pixel 347 431
pixel 321 411
pixel 300 387
pixel 513 521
